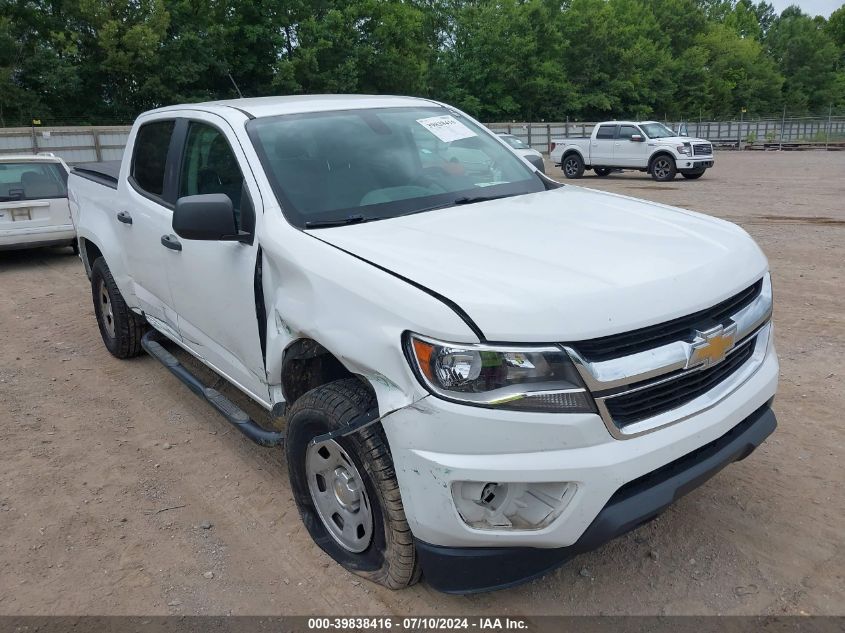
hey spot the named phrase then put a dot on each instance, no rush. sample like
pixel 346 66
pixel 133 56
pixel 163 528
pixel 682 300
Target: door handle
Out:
pixel 171 242
pixel 123 216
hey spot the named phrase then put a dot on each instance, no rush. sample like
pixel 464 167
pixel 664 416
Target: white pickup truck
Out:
pixel 481 372
pixel 644 146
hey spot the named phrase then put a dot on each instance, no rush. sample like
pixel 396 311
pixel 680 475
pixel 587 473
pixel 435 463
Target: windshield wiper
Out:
pixel 350 219
pixel 458 201
pixel 474 199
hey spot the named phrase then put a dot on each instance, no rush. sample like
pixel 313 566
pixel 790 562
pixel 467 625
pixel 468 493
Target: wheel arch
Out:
pixel 307 364
pixel 89 252
pixel 658 153
pixel 573 150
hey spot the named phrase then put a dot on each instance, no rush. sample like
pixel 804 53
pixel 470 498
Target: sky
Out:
pixel 812 7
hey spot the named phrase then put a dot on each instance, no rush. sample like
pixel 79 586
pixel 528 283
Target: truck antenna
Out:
pixel 232 79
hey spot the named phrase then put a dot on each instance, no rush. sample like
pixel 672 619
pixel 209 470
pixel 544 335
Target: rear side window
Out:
pixel 148 162
pixel 32 181
pixel 606 131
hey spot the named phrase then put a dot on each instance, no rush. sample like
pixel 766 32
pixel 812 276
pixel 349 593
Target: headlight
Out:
pixel 529 378
pixel 684 149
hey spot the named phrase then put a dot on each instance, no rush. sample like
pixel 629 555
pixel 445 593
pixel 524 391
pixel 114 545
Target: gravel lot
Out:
pixel 120 491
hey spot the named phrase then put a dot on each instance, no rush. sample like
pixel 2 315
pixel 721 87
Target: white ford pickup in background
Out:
pixel 645 146
pixel 482 372
pixel 33 202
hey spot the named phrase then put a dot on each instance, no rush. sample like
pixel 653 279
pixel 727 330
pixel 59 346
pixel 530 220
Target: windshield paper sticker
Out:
pixel 447 128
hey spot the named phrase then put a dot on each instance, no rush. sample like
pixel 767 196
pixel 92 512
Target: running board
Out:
pixel 228 409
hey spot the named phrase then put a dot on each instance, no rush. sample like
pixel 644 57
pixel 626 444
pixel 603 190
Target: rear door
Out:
pixel 628 153
pixel 601 145
pixel 33 197
pixel 148 192
pixel 214 282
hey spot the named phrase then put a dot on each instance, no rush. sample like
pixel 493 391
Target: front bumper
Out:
pixel 437 444
pixel 694 164
pixel 469 570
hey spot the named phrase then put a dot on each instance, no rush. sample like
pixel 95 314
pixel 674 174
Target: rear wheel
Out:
pixel 120 328
pixel 663 168
pixel 602 171
pixel 572 166
pixel 346 489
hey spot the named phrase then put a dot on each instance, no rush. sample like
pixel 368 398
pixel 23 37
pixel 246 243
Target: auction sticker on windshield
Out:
pixel 447 128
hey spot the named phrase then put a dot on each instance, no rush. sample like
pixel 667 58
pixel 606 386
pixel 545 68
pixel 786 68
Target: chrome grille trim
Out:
pixel 702 403
pixel 625 370
pixel 641 370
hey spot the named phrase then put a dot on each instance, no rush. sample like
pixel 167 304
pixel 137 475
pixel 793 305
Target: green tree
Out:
pixel 618 57
pixel 807 56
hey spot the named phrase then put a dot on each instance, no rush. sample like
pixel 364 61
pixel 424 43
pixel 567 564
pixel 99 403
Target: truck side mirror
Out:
pixel 637 138
pixel 209 216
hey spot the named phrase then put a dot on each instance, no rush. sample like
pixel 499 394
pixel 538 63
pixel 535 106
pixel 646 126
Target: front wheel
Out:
pixel 346 489
pixel 692 175
pixel 572 166
pixel 601 172
pixel 663 168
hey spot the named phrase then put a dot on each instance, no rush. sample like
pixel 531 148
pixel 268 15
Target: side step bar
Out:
pixel 232 412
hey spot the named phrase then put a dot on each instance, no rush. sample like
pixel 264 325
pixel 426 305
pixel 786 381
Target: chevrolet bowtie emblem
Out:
pixel 711 346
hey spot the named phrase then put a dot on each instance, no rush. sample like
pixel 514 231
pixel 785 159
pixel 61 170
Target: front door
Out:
pixel 213 282
pixel 628 153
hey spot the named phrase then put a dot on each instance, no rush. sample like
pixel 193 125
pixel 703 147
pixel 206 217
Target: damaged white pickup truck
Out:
pixel 482 372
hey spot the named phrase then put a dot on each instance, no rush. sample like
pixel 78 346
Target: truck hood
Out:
pixel 562 265
pixel 677 140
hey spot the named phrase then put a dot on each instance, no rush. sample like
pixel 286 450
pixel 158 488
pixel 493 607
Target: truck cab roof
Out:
pixel 296 104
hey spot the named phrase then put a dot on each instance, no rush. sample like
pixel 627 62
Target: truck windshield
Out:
pixel 657 130
pixel 515 142
pixel 32 181
pixel 370 164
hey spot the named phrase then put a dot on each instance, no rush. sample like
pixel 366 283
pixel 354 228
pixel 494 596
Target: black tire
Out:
pixel 120 328
pixel 663 168
pixel 601 172
pixel 75 247
pixel 572 166
pixel 692 175
pixel 389 557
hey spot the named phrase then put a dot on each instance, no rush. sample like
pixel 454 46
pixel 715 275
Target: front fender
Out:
pixel 356 311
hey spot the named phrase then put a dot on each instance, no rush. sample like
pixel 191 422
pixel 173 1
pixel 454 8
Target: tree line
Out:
pixel 104 61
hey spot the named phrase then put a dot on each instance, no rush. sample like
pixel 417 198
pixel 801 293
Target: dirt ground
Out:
pixel 120 491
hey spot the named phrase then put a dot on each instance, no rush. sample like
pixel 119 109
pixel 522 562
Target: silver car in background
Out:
pixel 520 147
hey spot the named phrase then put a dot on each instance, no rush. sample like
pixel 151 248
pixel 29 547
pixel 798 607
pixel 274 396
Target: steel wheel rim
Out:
pixel 106 309
pixel 339 495
pixel 571 167
pixel 661 168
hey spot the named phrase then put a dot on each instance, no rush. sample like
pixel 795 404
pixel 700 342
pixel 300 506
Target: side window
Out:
pixel 150 156
pixel 210 166
pixel 606 131
pixel 627 131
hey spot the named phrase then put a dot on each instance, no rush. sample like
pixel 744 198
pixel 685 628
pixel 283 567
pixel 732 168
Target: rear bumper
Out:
pixel 58 235
pixel 476 569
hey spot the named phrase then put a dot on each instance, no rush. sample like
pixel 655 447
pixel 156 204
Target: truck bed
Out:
pixel 104 173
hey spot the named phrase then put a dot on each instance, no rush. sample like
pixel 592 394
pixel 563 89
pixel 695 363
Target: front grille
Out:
pixel 680 329
pixel 651 401
pixel 702 149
